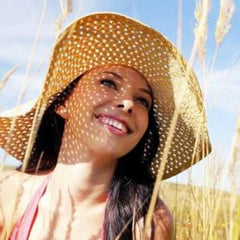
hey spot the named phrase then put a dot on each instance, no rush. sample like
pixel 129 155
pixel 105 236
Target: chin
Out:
pixel 111 151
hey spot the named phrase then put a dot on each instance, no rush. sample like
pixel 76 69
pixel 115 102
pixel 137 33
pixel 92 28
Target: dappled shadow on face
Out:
pixel 108 110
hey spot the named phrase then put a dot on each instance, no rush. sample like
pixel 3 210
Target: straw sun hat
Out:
pixel 108 38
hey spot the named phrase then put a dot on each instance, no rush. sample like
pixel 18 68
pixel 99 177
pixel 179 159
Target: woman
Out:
pixel 96 138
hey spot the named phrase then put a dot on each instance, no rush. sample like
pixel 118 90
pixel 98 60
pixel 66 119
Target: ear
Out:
pixel 62 112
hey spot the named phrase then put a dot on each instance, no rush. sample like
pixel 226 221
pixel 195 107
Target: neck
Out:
pixel 83 173
pixel 82 183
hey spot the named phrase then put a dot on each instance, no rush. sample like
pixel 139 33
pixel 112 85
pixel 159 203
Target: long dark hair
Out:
pixel 132 184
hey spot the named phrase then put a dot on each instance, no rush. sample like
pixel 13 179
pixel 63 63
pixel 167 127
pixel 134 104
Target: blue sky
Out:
pixel 19 23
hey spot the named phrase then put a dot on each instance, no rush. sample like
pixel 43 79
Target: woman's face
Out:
pixel 108 110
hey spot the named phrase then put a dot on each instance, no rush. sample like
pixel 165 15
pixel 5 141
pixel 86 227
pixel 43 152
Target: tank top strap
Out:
pixel 24 225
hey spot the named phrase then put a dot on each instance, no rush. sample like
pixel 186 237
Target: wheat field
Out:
pixel 200 212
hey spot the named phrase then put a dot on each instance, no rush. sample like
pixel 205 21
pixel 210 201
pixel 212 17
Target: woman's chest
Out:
pixel 84 225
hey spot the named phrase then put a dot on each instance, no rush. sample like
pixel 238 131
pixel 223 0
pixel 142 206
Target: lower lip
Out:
pixel 113 129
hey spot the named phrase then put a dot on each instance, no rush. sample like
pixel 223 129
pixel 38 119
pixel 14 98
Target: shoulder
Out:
pixel 12 181
pixel 163 223
pixel 16 189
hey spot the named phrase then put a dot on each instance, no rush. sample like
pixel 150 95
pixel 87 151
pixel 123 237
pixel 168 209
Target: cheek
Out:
pixel 143 122
pixel 101 95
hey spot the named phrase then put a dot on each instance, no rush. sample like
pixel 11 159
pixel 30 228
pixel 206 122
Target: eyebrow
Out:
pixel 141 89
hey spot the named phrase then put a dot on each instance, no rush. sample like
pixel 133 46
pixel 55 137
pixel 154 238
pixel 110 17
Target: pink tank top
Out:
pixel 24 225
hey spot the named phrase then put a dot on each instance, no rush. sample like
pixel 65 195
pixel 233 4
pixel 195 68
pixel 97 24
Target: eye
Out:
pixel 144 102
pixel 109 83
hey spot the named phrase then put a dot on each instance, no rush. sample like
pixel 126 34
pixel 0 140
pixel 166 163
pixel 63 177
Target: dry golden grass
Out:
pixel 196 214
pixel 223 23
pixel 200 30
pixel 7 76
pixel 66 9
pixel 200 212
pixel 207 212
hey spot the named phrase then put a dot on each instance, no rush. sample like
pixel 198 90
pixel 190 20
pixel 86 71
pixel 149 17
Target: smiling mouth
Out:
pixel 114 123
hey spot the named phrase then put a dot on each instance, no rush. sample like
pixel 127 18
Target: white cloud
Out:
pixel 22 19
pixel 18 53
pixel 19 25
pixel 224 90
pixel 9 95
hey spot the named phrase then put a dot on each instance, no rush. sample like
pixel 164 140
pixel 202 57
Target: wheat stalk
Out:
pixel 233 174
pixel 15 204
pixel 7 76
pixel 223 23
pixel 200 30
pixel 65 11
pixel 235 148
pixel 179 25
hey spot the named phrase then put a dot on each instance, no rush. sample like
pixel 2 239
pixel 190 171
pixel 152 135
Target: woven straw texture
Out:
pixel 107 38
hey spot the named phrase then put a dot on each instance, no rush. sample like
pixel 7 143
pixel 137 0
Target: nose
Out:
pixel 126 105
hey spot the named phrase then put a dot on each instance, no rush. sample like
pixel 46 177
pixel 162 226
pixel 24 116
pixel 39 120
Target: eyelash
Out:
pixel 144 102
pixel 112 84
pixel 108 82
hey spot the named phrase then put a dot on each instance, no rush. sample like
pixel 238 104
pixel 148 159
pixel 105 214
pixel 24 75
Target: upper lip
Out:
pixel 119 119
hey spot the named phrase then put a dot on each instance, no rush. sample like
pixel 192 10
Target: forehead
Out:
pixel 127 74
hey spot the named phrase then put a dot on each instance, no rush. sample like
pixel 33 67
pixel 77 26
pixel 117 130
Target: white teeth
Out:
pixel 114 123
